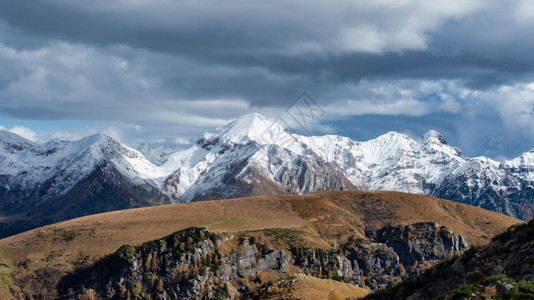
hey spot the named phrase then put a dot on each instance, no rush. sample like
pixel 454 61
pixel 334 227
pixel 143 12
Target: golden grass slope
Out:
pixel 320 220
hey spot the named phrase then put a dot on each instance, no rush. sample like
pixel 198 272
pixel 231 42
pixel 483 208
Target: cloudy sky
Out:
pixel 164 71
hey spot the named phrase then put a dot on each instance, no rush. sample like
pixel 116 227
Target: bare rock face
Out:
pixel 377 263
pixel 420 242
pixel 345 267
pixel 308 174
pixel 248 261
pixel 392 253
pixel 503 269
pixel 189 264
pixel 184 265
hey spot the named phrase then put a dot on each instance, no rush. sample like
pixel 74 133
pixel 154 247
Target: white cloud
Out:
pixel 408 107
pixel 449 104
pixel 515 105
pixel 399 98
pixel 380 26
pixel 178 68
pixel 65 135
pixel 362 38
pixel 181 141
pixel 25 132
pixel 524 11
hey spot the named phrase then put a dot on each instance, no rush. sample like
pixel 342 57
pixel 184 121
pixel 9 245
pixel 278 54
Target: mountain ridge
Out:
pixel 253 156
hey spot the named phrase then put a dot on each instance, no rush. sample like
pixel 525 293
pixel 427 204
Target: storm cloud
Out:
pixel 168 70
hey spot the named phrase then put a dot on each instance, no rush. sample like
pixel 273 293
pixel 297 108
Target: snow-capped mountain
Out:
pixel 156 155
pixel 58 180
pixel 249 156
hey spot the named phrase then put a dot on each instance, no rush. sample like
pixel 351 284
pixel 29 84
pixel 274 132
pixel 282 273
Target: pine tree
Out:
pixel 153 280
pixel 160 286
pixel 154 261
pixel 148 262
pixel 123 291
pixel 137 289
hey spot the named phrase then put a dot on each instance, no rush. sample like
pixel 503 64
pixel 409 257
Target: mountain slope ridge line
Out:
pixel 239 160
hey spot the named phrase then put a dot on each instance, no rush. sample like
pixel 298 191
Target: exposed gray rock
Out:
pixel 392 253
pixel 345 267
pixel 377 263
pixel 248 261
pixel 502 269
pixel 184 265
pixel 420 242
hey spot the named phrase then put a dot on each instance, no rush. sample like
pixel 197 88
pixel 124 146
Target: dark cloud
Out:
pixel 165 64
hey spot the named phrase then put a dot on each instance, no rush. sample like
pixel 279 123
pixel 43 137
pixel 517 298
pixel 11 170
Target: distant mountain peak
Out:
pixel 433 137
pixel 156 155
pixel 250 127
pixel 523 164
pixel 96 138
pixel 144 146
pixel 7 135
pixel 12 142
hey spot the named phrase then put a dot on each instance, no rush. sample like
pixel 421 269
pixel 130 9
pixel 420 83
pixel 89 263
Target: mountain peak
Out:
pixel 14 142
pixel 97 138
pixel 144 147
pixel 248 127
pixel 252 121
pixel 157 155
pixel 393 138
pixel 251 117
pixel 8 135
pixel 433 137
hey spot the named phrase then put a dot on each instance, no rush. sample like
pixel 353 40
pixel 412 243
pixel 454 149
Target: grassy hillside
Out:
pixel 316 220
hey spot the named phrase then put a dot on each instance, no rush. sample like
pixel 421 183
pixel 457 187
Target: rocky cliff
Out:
pixel 390 254
pixel 504 269
pixel 418 243
pixel 188 264
pixel 195 264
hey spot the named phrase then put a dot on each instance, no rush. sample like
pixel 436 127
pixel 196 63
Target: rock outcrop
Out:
pixel 250 260
pixel 184 265
pixel 420 242
pixel 392 253
pixel 379 266
pixel 194 264
pixel 504 269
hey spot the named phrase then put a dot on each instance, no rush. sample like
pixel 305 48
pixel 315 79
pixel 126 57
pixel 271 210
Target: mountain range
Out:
pixel 252 155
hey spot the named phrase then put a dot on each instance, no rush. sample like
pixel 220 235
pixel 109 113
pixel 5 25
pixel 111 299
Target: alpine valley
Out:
pixel 45 183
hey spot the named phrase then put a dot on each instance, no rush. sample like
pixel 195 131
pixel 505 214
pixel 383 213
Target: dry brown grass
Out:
pixel 321 219
pixel 313 288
